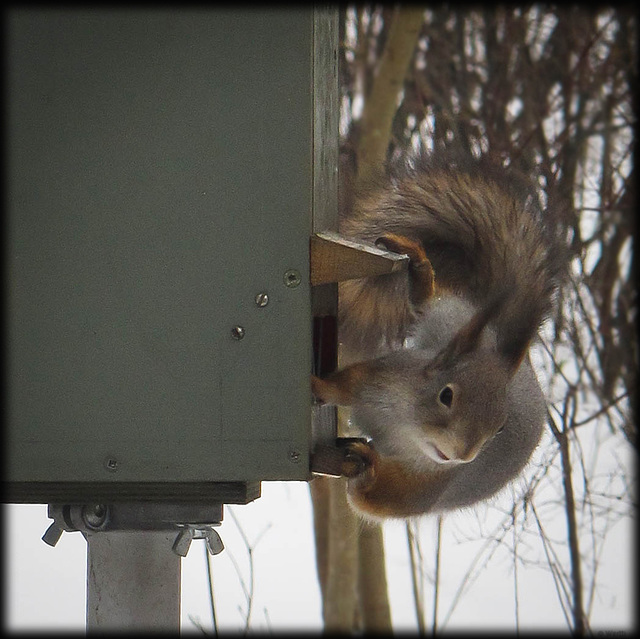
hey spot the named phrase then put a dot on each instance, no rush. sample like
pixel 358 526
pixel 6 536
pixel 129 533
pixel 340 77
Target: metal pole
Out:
pixel 133 581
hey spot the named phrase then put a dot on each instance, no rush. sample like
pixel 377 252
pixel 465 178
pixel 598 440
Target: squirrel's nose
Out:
pixel 470 452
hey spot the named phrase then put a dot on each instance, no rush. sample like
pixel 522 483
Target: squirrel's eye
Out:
pixel 446 396
pixel 500 430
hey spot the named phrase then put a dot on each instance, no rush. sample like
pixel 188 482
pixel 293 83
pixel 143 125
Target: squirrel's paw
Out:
pixel 328 391
pixel 404 246
pixel 360 463
pixel 319 389
pixel 421 275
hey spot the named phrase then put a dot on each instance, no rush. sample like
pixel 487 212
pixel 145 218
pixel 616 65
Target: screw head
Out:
pixel 262 299
pixel 111 463
pixel 292 278
pixel 237 332
pixel 294 456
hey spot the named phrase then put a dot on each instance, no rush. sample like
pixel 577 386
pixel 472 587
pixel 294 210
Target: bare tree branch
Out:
pixel 382 102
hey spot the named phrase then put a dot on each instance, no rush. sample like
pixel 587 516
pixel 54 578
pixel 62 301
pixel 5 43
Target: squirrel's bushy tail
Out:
pixel 484 236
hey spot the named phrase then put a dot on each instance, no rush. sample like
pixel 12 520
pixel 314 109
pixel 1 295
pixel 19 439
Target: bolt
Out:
pixel 94 516
pixel 294 456
pixel 111 464
pixel 262 299
pixel 292 278
pixel 237 332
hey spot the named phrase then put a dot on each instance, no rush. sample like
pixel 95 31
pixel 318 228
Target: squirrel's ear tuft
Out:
pixel 468 337
pixel 513 345
pixel 515 329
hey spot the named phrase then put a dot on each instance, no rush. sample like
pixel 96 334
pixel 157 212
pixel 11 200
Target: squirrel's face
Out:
pixel 461 407
pixel 415 407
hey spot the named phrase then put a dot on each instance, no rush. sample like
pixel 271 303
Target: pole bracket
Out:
pixel 189 521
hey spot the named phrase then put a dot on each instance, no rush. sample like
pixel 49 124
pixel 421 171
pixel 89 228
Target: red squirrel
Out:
pixel 444 387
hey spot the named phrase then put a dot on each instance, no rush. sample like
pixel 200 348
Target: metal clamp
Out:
pixel 190 521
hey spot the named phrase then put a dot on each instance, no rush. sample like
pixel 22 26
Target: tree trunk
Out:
pixel 381 105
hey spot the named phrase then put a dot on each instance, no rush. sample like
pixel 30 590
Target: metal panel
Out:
pixel 160 177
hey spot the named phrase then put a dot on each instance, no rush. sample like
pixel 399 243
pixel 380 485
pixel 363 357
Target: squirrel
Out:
pixel 442 384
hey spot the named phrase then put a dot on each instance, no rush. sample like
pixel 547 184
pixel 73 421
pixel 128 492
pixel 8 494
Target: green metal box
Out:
pixel 160 184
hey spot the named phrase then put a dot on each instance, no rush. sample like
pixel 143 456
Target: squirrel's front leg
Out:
pixel 384 487
pixel 342 387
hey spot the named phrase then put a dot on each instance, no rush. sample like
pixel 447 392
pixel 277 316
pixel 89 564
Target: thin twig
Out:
pixel 436 580
pixel 516 601
pixel 552 565
pixel 417 599
pixel 572 531
pixel 248 592
pixel 210 580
